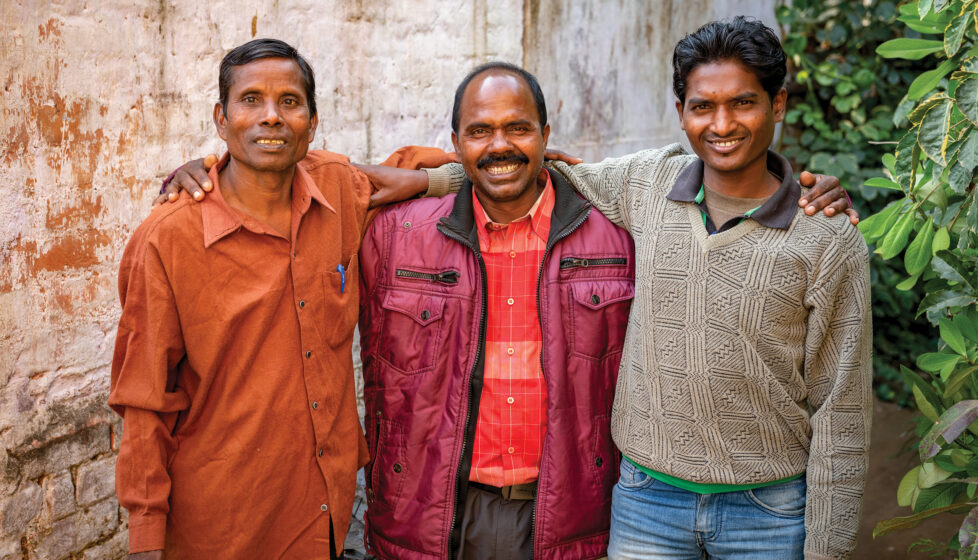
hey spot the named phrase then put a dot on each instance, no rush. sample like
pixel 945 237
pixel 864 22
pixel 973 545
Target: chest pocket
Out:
pixel 599 316
pixel 411 333
pixel 341 291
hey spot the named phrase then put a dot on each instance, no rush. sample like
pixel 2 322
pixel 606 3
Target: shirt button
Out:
pixel 595 299
pixel 511 301
pixel 510 351
pixel 512 450
pixel 407 225
pixel 308 353
pixel 510 400
pixel 512 254
pixel 302 303
pixel 324 507
pixel 315 404
pixel 425 315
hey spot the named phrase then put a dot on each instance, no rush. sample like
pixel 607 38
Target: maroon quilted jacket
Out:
pixel 422 327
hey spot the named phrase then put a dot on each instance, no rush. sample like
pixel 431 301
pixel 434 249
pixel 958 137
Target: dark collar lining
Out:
pixel 777 212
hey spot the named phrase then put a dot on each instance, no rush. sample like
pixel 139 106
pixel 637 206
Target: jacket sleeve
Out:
pixel 148 347
pixel 838 374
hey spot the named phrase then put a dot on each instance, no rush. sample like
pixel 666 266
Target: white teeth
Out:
pixel 501 169
pixel 726 143
pixel 271 142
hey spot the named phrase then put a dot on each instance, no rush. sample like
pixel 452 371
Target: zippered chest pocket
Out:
pixel 412 330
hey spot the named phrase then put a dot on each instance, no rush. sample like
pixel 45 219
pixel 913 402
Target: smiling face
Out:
pixel 267 122
pixel 500 142
pixel 728 117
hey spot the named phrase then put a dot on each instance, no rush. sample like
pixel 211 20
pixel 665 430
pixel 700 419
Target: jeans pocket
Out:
pixel 632 477
pixel 786 499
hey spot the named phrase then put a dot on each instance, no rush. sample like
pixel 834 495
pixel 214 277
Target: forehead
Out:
pixel 268 72
pixel 498 95
pixel 722 77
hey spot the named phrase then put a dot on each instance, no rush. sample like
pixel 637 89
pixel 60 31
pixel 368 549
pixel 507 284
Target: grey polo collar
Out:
pixel 777 212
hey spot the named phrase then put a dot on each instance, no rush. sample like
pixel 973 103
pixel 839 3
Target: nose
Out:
pixel 723 123
pixel 500 142
pixel 270 114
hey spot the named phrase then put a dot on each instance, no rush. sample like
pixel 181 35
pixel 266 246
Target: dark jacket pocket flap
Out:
pixel 423 308
pixel 596 295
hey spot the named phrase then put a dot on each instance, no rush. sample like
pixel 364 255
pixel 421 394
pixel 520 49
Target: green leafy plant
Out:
pixel 934 226
pixel 846 105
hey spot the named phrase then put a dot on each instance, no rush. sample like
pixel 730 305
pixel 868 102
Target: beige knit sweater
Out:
pixel 748 353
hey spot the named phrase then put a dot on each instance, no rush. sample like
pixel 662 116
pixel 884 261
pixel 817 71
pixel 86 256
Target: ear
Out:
pixel 679 111
pixel 458 152
pixel 313 124
pixel 220 121
pixel 546 135
pixel 779 103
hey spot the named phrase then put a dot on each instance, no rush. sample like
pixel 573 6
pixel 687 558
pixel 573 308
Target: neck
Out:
pixel 752 181
pixel 260 194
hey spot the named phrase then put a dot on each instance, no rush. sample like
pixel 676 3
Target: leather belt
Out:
pixel 526 491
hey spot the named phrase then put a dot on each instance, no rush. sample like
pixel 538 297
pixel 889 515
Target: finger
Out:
pixel 853 216
pixel 202 178
pixel 209 161
pixel 806 179
pixel 160 199
pixel 825 200
pixel 376 199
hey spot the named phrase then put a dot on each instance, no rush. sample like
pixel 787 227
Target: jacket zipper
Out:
pixel 446 277
pixel 374 455
pixel 459 504
pixel 543 450
pixel 574 262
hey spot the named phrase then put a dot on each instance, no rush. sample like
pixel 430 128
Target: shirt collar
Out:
pixel 542 208
pixel 777 212
pixel 219 220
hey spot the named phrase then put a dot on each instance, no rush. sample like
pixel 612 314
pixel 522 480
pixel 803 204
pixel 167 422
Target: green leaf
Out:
pixel 909 49
pixel 929 80
pixel 933 362
pixel 932 135
pixel 921 109
pixel 967 321
pixel 949 426
pixel 968 531
pixel 923 7
pixel 924 406
pixel 966 97
pixel 942 240
pixel 955 32
pixel 953 337
pixel 908 283
pixel 958 379
pixel 968 154
pixel 939 496
pixel 908 487
pixel 959 178
pixel 883 183
pixel 919 251
pixel 876 225
pixel 931 474
pixel 924 394
pixel 949 267
pixel 896 239
pixel 940 300
pixel 910 521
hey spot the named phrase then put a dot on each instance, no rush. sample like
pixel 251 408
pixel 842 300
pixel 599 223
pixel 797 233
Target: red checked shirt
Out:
pixel 513 410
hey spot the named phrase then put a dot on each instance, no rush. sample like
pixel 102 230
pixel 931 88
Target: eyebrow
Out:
pixel 741 97
pixel 510 123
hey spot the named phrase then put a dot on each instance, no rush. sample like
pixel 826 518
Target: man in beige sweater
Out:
pixel 744 395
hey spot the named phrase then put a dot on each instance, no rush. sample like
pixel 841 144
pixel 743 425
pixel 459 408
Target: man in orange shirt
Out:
pixel 233 365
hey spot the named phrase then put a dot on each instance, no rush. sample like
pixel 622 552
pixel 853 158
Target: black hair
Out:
pixel 744 39
pixel 264 48
pixel 530 80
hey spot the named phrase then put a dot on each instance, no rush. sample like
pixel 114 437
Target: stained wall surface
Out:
pixel 101 98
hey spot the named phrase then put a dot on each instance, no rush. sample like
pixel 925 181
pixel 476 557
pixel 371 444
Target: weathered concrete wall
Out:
pixel 103 97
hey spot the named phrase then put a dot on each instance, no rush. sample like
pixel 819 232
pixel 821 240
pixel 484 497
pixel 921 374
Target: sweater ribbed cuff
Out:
pixel 439 182
pixel 146 532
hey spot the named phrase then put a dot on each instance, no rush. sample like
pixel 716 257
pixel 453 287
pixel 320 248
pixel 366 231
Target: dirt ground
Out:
pixel 889 460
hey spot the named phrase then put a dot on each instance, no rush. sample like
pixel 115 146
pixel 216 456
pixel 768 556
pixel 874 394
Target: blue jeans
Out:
pixel 654 520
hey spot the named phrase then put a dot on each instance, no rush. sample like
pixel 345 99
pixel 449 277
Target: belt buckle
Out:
pixel 506 492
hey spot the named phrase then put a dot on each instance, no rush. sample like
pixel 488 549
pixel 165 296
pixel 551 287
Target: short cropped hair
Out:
pixel 530 80
pixel 744 39
pixel 264 48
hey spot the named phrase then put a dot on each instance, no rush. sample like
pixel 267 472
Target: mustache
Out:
pixel 507 158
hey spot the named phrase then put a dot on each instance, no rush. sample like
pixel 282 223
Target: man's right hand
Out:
pixel 149 554
pixel 392 184
pixel 191 177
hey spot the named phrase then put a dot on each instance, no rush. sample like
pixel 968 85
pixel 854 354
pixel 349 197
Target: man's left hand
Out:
pixel 827 195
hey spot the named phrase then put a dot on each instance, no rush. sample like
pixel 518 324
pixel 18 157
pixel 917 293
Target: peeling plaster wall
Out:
pixel 102 98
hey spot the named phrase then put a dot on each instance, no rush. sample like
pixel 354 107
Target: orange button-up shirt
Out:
pixel 512 418
pixel 233 373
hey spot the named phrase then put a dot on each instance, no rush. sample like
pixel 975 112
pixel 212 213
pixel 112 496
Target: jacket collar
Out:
pixel 569 211
pixel 777 212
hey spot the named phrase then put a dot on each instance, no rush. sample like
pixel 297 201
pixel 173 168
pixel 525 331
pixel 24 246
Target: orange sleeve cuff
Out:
pixel 146 532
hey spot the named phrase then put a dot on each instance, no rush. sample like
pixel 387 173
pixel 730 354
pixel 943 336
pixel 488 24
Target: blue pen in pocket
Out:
pixel 342 271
